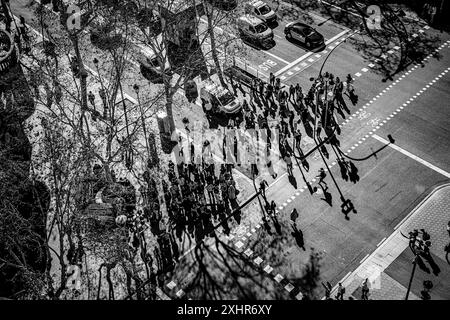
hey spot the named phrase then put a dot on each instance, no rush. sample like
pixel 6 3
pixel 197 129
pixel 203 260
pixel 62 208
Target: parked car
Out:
pixel 254 30
pixel 218 99
pixel 261 10
pixel 151 66
pixel 303 33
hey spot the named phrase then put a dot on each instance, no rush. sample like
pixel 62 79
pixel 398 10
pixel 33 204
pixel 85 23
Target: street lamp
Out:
pixel 347 205
pixel 417 245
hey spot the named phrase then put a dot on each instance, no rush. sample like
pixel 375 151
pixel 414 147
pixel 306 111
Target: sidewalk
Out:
pixel 387 276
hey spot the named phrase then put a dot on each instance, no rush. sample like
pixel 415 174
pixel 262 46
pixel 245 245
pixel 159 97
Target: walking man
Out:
pixel 340 293
pixel 272 79
pixel 321 176
pixel 288 160
pixel 262 188
pixel 365 290
pixel 292 92
pixel 91 98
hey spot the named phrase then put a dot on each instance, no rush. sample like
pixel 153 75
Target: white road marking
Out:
pixel 290 65
pixel 365 257
pixel 276 57
pixel 289 287
pixel 412 156
pixel 381 241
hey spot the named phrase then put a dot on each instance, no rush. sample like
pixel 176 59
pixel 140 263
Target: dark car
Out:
pixel 304 34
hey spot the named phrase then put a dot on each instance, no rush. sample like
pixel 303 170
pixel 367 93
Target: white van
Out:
pixel 261 10
pixel 254 30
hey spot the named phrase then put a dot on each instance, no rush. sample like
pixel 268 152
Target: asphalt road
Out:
pixel 390 183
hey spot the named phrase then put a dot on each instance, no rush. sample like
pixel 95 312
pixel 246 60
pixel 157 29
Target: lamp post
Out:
pixel 347 205
pixel 415 244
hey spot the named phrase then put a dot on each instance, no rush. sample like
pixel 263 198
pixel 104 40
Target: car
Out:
pixel 261 10
pixel 303 33
pixel 255 30
pixel 218 99
pixel 150 64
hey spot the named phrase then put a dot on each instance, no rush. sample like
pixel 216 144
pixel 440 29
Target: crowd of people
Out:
pixel 197 198
pixel 292 107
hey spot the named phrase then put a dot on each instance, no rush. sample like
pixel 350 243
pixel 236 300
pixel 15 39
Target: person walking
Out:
pixel 321 176
pixel 288 160
pixel 102 95
pixel 365 290
pixel 271 79
pixel 262 188
pixel 292 92
pixel 261 88
pixel 294 215
pixel 298 137
pixel 277 88
pixel 91 98
pixel 340 293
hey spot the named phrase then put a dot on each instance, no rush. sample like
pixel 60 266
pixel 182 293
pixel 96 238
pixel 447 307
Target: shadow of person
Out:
pixel 293 181
pixel 328 198
pixel 434 266
pixel 308 129
pixel 237 216
pixel 298 236
pixel 266 225
pixel 277 225
pixel 422 265
pixel 353 173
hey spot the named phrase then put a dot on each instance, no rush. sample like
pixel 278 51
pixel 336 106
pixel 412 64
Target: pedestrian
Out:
pixel 272 79
pixel 91 98
pixel 298 137
pixel 321 176
pixel 273 206
pixel 262 188
pixel 288 160
pixel 294 215
pixel 291 120
pixel 261 88
pixel 292 92
pixel 277 88
pixel 365 290
pixel 340 293
pixel 269 91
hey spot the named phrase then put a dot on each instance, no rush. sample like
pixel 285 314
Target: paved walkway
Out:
pixel 432 214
